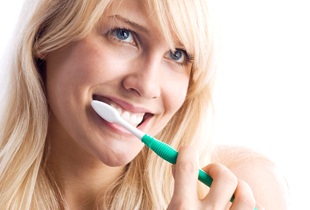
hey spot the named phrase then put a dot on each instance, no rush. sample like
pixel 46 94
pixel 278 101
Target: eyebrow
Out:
pixel 131 23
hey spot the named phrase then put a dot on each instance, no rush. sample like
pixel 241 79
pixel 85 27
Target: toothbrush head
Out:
pixel 106 111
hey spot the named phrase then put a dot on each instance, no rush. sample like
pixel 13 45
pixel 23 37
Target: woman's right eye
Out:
pixel 122 35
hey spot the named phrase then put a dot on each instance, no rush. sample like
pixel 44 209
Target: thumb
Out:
pixel 185 174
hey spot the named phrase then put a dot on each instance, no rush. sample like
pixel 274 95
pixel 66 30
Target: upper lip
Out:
pixel 125 105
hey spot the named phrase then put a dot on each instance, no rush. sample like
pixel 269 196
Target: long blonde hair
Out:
pixel 48 25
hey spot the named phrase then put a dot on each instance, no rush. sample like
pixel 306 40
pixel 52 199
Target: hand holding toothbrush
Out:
pixel 223 186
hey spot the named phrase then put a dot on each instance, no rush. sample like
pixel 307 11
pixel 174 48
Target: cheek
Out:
pixel 177 88
pixel 173 100
pixel 68 80
pixel 175 96
pixel 75 69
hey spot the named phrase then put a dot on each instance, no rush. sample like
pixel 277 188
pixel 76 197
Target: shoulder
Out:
pixel 268 184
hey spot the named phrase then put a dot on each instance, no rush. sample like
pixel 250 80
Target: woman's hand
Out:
pixel 224 185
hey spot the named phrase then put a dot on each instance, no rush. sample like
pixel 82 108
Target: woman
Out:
pixel 153 61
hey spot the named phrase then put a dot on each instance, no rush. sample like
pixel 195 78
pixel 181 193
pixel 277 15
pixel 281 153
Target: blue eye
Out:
pixel 177 55
pixel 122 35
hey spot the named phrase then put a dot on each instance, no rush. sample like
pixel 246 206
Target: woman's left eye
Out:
pixel 178 55
pixel 122 35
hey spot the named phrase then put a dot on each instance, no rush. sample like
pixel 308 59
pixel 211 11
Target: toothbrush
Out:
pixel 160 148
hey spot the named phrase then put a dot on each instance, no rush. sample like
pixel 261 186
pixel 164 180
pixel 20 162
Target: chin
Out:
pixel 117 160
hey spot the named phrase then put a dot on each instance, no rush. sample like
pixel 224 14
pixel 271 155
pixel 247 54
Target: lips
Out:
pixel 134 116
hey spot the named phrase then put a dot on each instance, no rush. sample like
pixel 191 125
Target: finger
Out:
pixel 244 198
pixel 185 175
pixel 259 207
pixel 222 188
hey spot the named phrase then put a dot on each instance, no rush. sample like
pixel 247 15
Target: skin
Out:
pixel 138 74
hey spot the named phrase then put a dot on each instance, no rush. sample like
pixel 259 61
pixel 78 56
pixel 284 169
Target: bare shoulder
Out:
pixel 267 182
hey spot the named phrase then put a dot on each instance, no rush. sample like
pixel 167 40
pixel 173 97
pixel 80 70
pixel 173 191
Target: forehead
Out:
pixel 131 9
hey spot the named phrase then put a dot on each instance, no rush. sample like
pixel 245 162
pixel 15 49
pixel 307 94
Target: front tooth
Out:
pixel 136 120
pixel 126 116
pixel 133 119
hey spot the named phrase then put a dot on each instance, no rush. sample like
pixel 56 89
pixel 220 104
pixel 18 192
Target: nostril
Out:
pixel 135 91
pixel 142 85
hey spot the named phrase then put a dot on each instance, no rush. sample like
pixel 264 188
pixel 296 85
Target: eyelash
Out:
pixel 110 33
pixel 188 58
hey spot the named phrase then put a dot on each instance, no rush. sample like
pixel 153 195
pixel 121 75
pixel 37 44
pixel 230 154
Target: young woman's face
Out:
pixel 125 62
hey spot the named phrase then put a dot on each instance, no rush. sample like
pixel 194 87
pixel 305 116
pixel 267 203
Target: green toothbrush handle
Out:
pixel 169 154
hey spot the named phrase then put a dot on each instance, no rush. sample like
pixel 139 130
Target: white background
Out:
pixel 262 89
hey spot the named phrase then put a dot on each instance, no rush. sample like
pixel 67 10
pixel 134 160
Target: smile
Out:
pixel 133 118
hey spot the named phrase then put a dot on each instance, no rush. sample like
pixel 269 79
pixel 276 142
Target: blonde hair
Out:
pixel 50 24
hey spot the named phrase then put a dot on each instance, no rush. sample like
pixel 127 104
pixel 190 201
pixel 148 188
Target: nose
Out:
pixel 143 78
